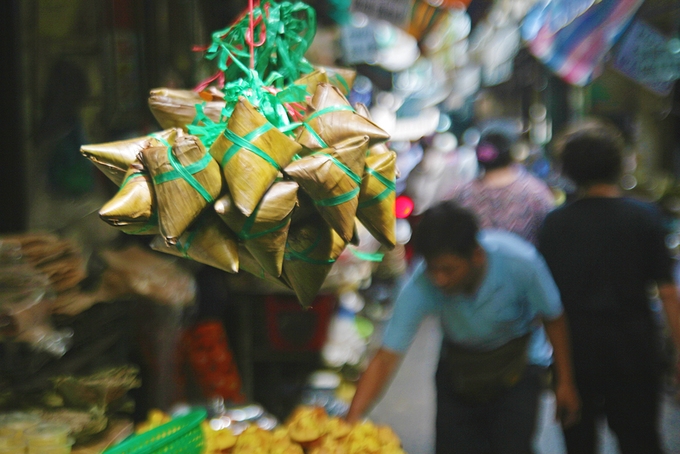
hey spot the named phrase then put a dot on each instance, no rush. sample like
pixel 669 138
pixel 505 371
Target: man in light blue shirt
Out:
pixel 494 296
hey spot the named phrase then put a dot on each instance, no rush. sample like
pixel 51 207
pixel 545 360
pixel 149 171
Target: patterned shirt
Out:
pixel 518 207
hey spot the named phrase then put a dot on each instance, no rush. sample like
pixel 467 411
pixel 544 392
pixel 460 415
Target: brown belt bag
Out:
pixel 479 376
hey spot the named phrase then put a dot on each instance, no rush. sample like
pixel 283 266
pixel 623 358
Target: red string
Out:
pixel 218 76
pixel 293 108
pixel 251 8
pixel 250 33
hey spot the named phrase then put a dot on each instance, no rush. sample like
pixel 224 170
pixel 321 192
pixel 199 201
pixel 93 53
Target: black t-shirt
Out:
pixel 604 253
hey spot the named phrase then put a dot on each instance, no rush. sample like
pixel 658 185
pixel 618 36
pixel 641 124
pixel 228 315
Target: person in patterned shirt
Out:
pixel 505 196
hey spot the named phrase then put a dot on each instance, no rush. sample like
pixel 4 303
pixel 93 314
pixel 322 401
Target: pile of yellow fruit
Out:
pixel 308 430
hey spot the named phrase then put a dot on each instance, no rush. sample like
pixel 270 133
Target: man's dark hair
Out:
pixel 446 228
pixel 591 152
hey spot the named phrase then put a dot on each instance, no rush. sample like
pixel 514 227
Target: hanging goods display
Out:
pixel 263 167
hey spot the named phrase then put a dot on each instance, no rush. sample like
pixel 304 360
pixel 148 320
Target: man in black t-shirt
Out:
pixel 607 254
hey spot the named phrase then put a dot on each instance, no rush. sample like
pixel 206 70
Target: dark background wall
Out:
pixel 13 197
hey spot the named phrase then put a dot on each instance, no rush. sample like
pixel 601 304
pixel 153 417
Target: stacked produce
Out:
pixel 308 430
pixel 265 167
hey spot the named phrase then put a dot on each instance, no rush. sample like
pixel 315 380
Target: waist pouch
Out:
pixel 479 376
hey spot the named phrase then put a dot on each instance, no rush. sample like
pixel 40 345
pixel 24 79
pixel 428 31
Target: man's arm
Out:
pixel 372 382
pixel 567 401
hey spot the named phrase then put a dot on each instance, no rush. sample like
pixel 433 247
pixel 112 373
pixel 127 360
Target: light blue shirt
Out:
pixel 516 292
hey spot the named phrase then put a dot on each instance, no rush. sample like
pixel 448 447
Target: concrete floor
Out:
pixel 408 405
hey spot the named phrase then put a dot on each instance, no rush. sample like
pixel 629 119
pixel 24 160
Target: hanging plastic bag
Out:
pixel 572 37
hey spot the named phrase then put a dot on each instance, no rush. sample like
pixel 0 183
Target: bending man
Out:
pixel 491 290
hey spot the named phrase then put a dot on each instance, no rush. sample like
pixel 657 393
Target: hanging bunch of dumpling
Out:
pixel 265 167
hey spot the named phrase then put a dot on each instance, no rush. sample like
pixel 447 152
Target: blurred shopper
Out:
pixel 606 252
pixel 490 290
pixel 505 196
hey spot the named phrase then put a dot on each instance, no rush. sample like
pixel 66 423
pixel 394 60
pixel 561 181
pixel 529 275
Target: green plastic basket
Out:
pixel 182 435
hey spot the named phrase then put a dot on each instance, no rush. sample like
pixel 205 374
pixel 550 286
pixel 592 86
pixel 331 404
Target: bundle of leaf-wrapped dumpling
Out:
pixel 114 158
pixel 332 120
pixel 377 196
pixel 208 241
pixel 311 250
pixel 132 208
pixel 332 177
pixel 251 152
pixel 265 231
pixel 186 180
pixel 176 108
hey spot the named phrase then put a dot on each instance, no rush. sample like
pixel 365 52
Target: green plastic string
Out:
pixel 389 184
pixel 342 198
pixel 130 177
pixel 316 242
pixel 184 249
pixel 319 113
pixel 329 109
pixel 341 80
pixel 245 143
pixel 245 234
pixel 337 200
pixel 367 256
pixel 316 136
pixel 289 130
pixel 293 255
pixel 186 173
pixel 191 168
pixel 190 236
pixel 289 29
pixel 205 128
pixel 390 187
pixel 294 93
pixel 151 223
pixel 374 200
pixel 356 178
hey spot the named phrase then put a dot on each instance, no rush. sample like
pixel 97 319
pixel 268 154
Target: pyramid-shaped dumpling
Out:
pixel 249 264
pixel 114 158
pixel 265 231
pixel 176 108
pixel 311 250
pixel 332 184
pixel 208 241
pixel 186 180
pixel 332 120
pixel 376 198
pixel 251 152
pixel 132 208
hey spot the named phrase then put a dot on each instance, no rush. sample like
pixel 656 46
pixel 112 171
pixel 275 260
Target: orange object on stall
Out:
pixel 212 362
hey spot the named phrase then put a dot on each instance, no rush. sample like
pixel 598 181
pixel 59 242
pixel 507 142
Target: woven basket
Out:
pixel 182 435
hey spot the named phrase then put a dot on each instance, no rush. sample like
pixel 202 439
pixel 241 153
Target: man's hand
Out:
pixel 372 382
pixel 567 405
